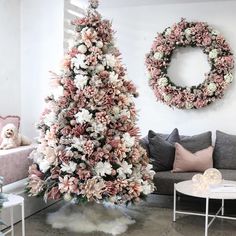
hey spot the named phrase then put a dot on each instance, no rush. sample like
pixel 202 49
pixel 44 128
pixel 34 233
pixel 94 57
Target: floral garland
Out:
pixel 193 34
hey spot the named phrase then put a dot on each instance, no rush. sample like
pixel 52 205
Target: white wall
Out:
pixel 136 28
pixel 41 51
pixel 10 57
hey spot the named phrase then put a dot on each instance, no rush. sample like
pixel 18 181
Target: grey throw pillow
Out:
pixel 162 151
pixel 196 142
pixel 224 155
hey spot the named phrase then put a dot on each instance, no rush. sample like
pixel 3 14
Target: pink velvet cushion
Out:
pixel 186 161
pixel 9 119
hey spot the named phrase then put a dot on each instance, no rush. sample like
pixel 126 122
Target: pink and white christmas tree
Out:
pixel 88 144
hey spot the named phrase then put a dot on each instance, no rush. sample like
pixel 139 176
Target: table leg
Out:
pixel 223 207
pixel 12 221
pixel 206 216
pixel 174 210
pixel 23 218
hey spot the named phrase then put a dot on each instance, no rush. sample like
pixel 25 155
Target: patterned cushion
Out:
pixel 9 119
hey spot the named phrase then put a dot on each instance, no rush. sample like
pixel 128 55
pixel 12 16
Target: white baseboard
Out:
pixel 32 204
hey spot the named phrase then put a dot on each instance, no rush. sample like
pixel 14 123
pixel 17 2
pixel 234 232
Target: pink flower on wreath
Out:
pixel 199 103
pixel 68 184
pixel 221 43
pixel 206 40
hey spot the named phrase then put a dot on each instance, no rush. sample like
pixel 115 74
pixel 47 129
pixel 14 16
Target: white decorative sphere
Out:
pixel 213 176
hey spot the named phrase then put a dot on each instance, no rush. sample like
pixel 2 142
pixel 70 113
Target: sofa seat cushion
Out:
pixel 14 163
pixel 165 180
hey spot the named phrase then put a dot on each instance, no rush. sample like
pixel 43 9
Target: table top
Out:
pixel 13 200
pixel 188 188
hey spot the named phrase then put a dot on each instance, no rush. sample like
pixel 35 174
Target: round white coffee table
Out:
pixel 14 200
pixel 188 188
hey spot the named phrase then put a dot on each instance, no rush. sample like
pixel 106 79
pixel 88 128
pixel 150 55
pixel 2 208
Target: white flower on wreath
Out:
pixel 168 31
pixel 83 116
pixel 163 81
pixel 124 169
pixel 188 105
pixel 103 168
pixel 211 87
pixel 167 97
pixel 188 32
pixel 79 61
pixel 128 140
pixel 213 54
pixel 158 55
pixel 80 81
pixel 69 168
pixel 110 60
pixel 215 32
pixel 228 78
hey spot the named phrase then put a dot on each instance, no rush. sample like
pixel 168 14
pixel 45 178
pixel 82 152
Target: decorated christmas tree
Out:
pixel 88 144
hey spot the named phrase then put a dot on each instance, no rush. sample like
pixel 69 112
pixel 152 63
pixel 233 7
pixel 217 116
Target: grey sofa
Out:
pixel 224 159
pixel 164 180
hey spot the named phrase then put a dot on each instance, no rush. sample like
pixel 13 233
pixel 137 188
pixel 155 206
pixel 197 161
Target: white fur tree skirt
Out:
pixel 91 217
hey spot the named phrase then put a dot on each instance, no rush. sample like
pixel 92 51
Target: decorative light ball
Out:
pixel 82 48
pixel 197 178
pixel 199 182
pixel 213 176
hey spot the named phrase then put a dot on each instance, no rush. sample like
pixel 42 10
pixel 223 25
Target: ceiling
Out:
pixel 126 3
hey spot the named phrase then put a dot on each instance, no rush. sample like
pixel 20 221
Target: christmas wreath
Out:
pixel 193 34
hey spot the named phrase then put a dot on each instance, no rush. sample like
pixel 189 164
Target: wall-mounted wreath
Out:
pixel 193 34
